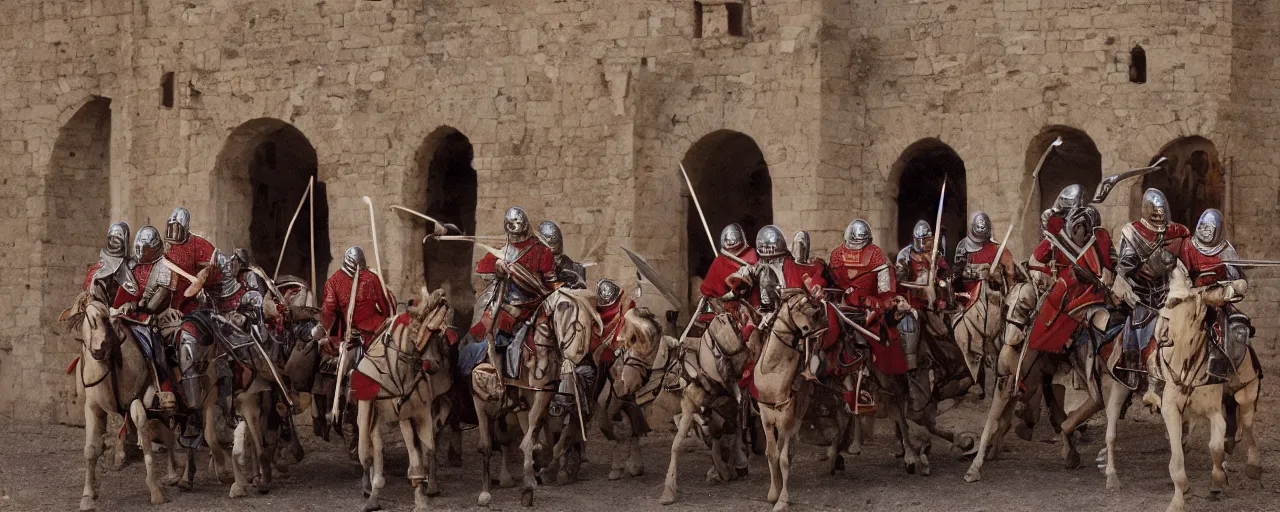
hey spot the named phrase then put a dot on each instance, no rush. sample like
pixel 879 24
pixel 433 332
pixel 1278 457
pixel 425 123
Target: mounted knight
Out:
pixel 148 304
pixel 569 273
pixel 1207 260
pixel 113 269
pixel 980 283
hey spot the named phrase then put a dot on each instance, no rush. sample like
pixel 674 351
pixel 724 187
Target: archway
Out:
pixel 77 213
pixel 450 196
pixel 921 169
pixel 1193 179
pixel 1076 162
pixel 262 174
pixel 731 178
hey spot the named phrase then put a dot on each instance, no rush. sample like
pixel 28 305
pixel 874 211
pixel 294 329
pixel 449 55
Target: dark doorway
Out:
pixel 921 170
pixel 445 157
pixel 282 165
pixel 1076 162
pixel 1193 178
pixel 732 181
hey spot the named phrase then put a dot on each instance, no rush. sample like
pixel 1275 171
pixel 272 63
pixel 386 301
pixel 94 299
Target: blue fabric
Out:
pixel 470 355
pixel 1136 338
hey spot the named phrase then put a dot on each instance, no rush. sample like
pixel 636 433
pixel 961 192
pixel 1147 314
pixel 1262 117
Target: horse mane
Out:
pixel 640 331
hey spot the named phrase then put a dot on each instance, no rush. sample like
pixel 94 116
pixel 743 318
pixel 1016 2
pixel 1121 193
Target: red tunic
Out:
pixel 191 256
pixel 537 258
pixel 141 273
pixel 854 270
pixel 714 286
pixel 612 316
pixel 917 266
pixel 984 256
pixel 1054 324
pixel 1203 268
pixel 371 307
pixel 88 278
pixel 796 275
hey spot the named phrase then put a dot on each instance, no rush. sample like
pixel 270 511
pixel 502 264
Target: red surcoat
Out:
pixel 714 286
pixel 797 275
pixel 854 270
pixel 141 274
pixel 1054 324
pixel 534 257
pixel 917 266
pixel 1203 268
pixel 371 307
pixel 88 278
pixel 191 256
pixel 612 317
pixel 984 256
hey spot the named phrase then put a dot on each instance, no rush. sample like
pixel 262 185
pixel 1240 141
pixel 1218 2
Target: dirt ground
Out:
pixel 41 468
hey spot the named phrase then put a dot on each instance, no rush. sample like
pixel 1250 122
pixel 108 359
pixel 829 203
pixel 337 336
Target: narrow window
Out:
pixel 735 19
pixel 697 19
pixel 1138 65
pixel 166 90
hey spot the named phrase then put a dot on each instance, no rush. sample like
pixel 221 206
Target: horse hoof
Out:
pixel 839 465
pixel 636 471
pixel 1113 482
pixel 371 505
pixel 1073 460
pixel 668 497
pixel 237 491
pixel 779 506
pixel 966 443
pixel 772 497
pixel 742 472
pixel 158 499
pixel 911 469
pixel 416 474
pixel 483 501
pixel 1215 495
pixel 183 485
pixel 432 491
pixel 972 476
pixel 506 483
pixel 1254 472
pixel 262 489
pixel 226 478
pixel 526 497
pixel 87 505
pixel 563 478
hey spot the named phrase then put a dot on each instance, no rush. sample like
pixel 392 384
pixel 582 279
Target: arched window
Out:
pixel 1138 65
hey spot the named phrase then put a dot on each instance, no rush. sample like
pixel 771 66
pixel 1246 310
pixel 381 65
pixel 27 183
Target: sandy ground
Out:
pixel 41 468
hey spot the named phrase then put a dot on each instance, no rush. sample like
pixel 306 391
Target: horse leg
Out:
pixel 139 415
pixel 1070 455
pixel 483 424
pixel 426 436
pixel 1171 410
pixel 1246 400
pixel 560 447
pixel 170 445
pixel 769 420
pixel 416 473
pixel 682 429
pixel 929 420
pixel 255 419
pixel 238 447
pixel 1000 406
pixel 912 457
pixel 527 446
pixel 1217 441
pixel 1115 404
pixel 839 442
pixel 223 466
pixel 95 421
pixel 635 463
pixel 787 430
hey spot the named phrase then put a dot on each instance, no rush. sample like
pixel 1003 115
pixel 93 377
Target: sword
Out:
pixel 937 236
pixel 274 374
pixel 1110 182
pixel 1004 242
pixel 441 227
pixel 697 205
pixel 848 321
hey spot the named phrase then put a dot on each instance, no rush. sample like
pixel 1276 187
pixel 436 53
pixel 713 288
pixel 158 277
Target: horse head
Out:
pixel 102 332
pixel 802 314
pixel 1187 306
pixel 574 321
pixel 638 340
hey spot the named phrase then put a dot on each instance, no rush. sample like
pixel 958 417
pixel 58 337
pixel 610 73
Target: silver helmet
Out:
pixel 242 254
pixel 353 260
pixel 607 292
pixel 1071 197
pixel 770 242
pixel 980 227
pixel 1155 209
pixel 178 229
pixel 550 236
pixel 732 238
pixel 117 240
pixel 800 246
pixel 147 247
pixel 516 224
pixel 857 235
pixel 1210 236
pixel 921 236
pixel 229 266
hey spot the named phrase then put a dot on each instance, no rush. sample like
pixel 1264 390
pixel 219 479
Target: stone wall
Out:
pixel 581 111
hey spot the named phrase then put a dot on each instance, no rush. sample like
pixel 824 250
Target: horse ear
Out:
pixel 66 315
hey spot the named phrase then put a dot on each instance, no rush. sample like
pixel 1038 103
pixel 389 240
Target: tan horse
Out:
pixel 632 387
pixel 711 366
pixel 560 344
pixel 117 378
pixel 783 397
pixel 1181 364
pixel 408 363
pixel 977 329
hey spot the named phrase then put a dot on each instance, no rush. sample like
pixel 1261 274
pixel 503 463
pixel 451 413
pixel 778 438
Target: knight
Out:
pixel 194 255
pixel 1069 199
pixel 863 271
pixel 1149 249
pixel 775 270
pixel 523 276
pixel 1207 260
pixel 805 262
pixel 371 308
pixel 149 302
pixel 569 273
pixel 112 271
pixel 912 268
pixel 251 276
pixel 732 241
pixel 975 261
pixel 612 305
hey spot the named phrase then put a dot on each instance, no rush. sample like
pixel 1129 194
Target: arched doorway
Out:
pixel 732 181
pixel 450 196
pixel 1076 161
pixel 262 174
pixel 921 169
pixel 1193 178
pixel 78 199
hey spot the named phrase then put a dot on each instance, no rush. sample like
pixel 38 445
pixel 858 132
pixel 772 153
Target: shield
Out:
pixel 651 275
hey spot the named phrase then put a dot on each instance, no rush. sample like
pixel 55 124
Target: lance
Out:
pixel 697 205
pixel 442 228
pixel 465 238
pixel 288 231
pixel 937 235
pixel 1106 185
pixel 1249 263
pixel 377 258
pixel 1035 174
pixel 849 321
pixel 312 214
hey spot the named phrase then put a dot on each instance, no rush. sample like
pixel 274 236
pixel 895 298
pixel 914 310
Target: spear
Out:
pixel 284 245
pixel 1004 242
pixel 377 258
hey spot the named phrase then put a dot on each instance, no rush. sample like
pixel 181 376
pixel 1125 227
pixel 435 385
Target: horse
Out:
pixel 566 321
pixel 640 343
pixel 117 378
pixel 711 366
pixel 403 377
pixel 783 397
pixel 1180 364
pixel 976 330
